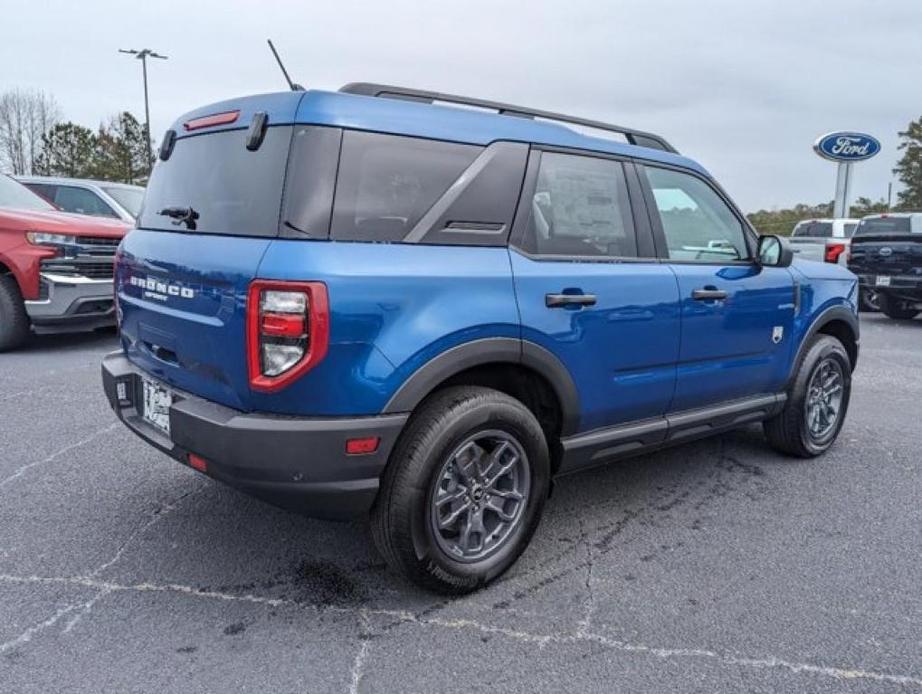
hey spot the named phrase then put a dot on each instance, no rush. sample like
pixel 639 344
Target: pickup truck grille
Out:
pixel 78 267
pixel 91 257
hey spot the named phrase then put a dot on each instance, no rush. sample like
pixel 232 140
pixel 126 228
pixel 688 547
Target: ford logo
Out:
pixel 885 251
pixel 846 146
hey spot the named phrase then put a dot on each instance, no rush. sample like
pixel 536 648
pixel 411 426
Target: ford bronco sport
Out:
pixel 373 301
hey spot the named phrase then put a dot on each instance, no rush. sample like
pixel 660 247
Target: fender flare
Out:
pixel 837 312
pixel 491 350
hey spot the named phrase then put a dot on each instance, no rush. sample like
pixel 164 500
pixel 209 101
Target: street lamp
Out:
pixel 143 55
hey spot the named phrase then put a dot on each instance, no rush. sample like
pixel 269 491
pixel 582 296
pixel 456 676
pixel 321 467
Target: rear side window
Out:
pixel 232 190
pixel 883 226
pixel 821 230
pixel 386 183
pixel 82 201
pixel 580 208
pixel 850 230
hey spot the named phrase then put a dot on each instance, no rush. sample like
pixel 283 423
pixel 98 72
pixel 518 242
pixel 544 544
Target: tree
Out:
pixel 121 152
pixel 909 167
pixel 25 117
pixel 67 149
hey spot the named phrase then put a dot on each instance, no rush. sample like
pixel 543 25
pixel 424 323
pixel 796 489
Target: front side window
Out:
pixel 697 223
pixel 580 207
pixel 386 183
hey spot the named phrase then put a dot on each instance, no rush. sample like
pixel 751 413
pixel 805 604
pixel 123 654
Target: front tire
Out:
pixel 817 402
pixel 464 490
pixel 896 309
pixel 14 323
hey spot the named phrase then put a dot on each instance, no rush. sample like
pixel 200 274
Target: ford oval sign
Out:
pixel 847 146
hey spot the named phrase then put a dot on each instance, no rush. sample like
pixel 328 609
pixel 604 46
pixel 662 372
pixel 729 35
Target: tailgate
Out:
pixel 893 255
pixel 183 300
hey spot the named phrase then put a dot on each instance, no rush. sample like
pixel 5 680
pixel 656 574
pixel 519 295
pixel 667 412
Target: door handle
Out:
pixel 561 300
pixel 709 294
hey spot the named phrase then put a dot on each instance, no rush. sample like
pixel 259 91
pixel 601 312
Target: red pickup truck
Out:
pixel 55 268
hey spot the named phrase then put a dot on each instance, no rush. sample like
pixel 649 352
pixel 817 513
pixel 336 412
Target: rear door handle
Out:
pixel 709 294
pixel 562 300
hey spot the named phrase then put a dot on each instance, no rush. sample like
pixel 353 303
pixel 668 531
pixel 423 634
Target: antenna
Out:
pixel 294 86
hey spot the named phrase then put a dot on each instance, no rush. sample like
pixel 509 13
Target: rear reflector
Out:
pixel 362 446
pixel 198 462
pixel 212 120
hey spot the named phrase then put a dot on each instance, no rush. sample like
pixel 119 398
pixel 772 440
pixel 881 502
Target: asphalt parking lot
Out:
pixel 717 567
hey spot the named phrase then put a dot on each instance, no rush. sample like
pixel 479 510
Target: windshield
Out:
pixel 15 194
pixel 228 188
pixel 129 198
pixel 883 226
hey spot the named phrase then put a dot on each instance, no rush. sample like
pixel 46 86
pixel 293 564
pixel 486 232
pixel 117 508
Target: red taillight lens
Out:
pixel 833 251
pixel 288 331
pixel 197 462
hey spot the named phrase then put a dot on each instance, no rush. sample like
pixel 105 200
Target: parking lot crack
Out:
pixel 358 665
pixel 57 454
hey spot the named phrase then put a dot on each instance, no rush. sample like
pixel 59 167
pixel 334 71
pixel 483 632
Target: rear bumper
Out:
pixel 907 288
pixel 71 304
pixel 298 464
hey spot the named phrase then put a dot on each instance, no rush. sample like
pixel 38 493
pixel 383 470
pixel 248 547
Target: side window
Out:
pixel 386 183
pixel 44 189
pixel 850 229
pixel 580 207
pixel 82 201
pixel 697 223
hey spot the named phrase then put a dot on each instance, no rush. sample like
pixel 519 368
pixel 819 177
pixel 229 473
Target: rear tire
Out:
pixel 898 310
pixel 817 402
pixel 438 520
pixel 869 301
pixel 14 323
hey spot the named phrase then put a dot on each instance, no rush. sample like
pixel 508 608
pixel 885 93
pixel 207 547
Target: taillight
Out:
pixel 288 331
pixel 833 251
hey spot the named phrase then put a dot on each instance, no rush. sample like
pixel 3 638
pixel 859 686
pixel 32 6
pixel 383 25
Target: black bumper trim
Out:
pixel 296 463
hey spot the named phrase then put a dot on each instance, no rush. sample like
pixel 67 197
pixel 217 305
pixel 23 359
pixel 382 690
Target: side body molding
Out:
pixel 496 350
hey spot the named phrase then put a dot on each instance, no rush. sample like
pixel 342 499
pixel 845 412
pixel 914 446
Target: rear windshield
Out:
pixel 232 190
pixel 813 229
pixel 883 226
pixel 129 198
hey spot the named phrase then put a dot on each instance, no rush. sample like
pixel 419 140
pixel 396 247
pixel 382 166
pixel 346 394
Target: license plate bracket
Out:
pixel 155 405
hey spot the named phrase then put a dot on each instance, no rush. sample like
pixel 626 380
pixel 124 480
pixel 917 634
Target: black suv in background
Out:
pixel 886 254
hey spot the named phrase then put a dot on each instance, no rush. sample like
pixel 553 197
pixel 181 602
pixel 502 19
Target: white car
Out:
pixel 84 196
pixel 823 239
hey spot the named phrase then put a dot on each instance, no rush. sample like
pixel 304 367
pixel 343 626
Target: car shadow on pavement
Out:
pixel 70 342
pixel 213 538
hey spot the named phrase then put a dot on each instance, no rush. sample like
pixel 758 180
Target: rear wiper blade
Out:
pixel 181 215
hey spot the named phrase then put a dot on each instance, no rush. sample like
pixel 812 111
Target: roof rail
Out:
pixel 634 137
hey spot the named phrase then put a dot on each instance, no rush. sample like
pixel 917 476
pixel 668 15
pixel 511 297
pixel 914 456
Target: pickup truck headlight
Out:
pixel 41 238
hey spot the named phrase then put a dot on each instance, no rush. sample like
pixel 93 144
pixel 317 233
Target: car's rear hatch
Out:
pixel 886 246
pixel 210 212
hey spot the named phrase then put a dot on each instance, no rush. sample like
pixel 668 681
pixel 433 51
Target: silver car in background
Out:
pixel 84 196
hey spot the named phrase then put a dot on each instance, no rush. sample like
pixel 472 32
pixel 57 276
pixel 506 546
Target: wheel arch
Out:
pixel 481 360
pixel 837 321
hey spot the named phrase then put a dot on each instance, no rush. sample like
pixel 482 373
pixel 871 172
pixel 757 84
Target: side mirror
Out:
pixel 774 251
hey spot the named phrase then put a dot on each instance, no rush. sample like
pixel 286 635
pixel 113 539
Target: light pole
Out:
pixel 143 55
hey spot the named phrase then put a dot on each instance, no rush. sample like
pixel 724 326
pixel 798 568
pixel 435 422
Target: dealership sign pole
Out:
pixel 845 148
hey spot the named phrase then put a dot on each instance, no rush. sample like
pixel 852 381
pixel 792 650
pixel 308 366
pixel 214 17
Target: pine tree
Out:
pixel 121 152
pixel 67 149
pixel 909 167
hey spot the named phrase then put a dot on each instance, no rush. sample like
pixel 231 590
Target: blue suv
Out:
pixel 425 307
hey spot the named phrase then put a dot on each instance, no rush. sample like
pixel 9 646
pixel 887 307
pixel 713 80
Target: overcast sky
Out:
pixel 743 86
